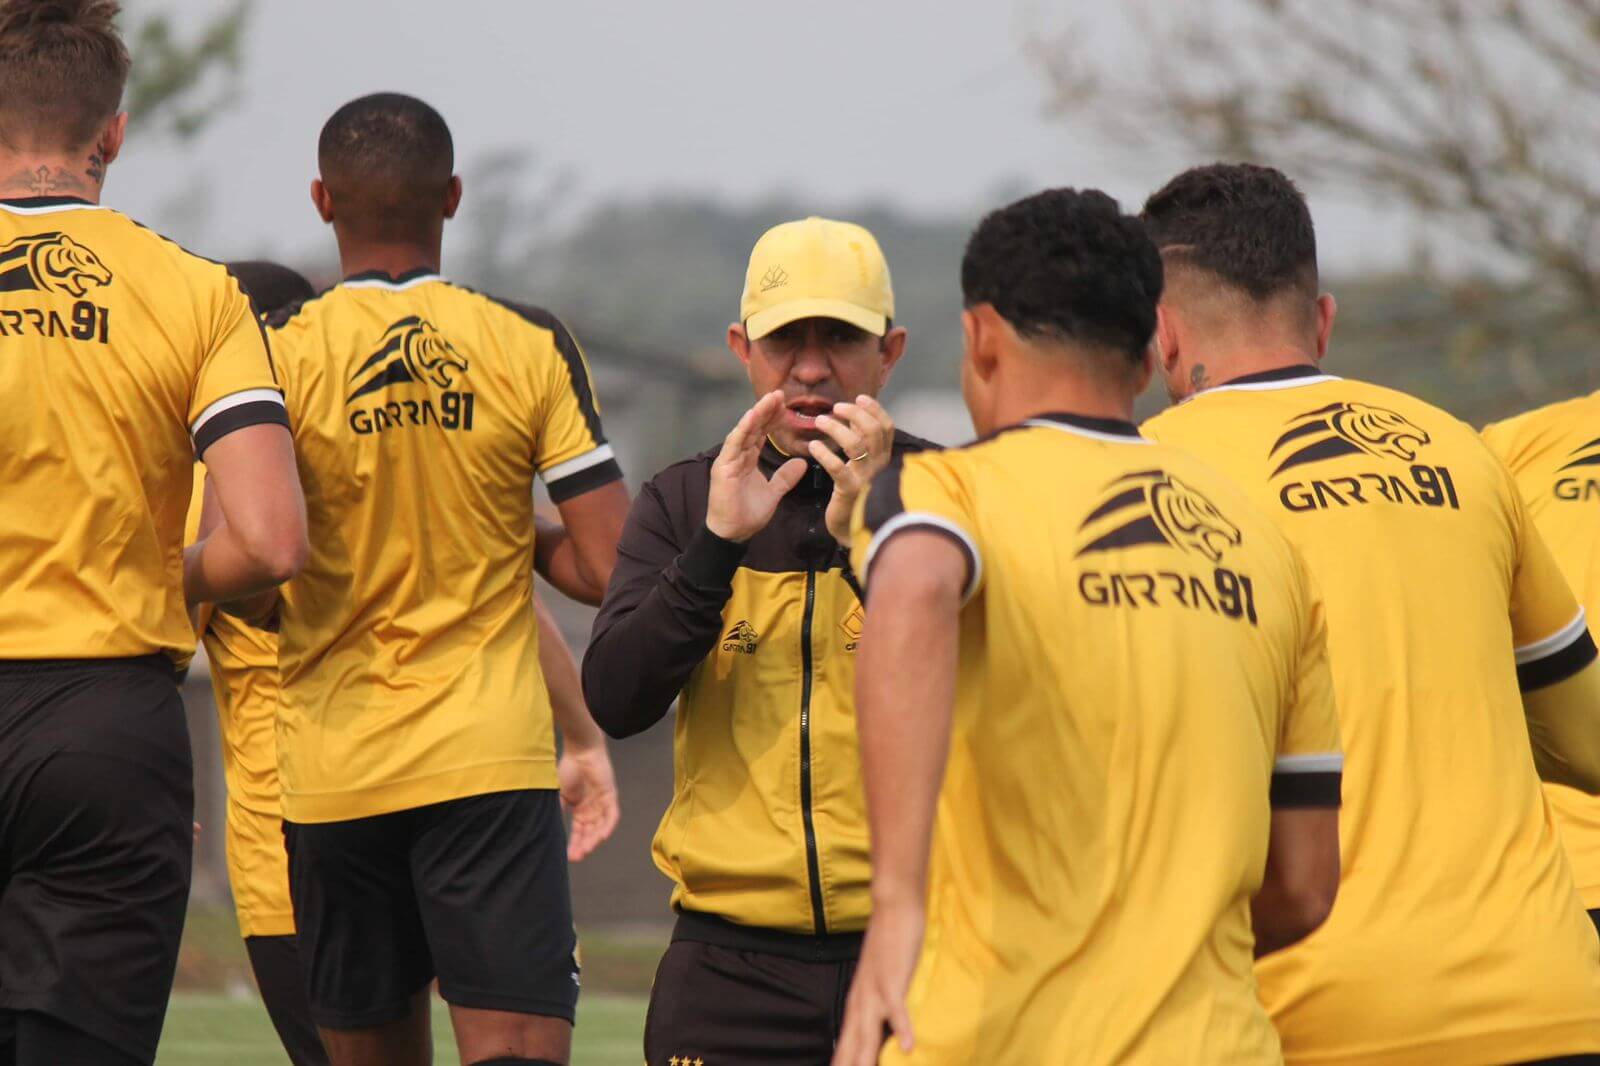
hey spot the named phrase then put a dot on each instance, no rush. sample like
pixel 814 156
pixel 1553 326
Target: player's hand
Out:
pixel 589 794
pixel 741 500
pixel 864 434
pixel 878 994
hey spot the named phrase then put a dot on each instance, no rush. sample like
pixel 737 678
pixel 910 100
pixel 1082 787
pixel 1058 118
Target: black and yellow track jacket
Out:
pixel 766 836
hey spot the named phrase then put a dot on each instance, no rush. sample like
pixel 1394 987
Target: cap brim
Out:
pixel 762 323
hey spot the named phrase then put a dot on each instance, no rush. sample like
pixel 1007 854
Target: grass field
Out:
pixel 205 1029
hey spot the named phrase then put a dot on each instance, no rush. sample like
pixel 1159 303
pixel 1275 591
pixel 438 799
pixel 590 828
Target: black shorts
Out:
pixel 472 891
pixel 734 996
pixel 96 842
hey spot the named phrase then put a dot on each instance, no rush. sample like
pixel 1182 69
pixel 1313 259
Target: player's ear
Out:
pixel 1327 308
pixel 322 200
pixel 739 343
pixel 452 196
pixel 1165 342
pixel 893 347
pixel 109 146
pixel 980 325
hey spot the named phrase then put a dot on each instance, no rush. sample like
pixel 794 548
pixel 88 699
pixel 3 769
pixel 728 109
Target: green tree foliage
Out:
pixel 182 80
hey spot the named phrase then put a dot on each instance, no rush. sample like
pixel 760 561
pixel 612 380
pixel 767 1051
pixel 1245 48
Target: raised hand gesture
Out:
pixel 864 433
pixel 741 500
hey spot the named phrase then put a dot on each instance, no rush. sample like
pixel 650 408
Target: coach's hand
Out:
pixel 864 433
pixel 878 993
pixel 589 794
pixel 741 500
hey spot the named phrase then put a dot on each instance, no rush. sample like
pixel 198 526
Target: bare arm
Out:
pixel 905 694
pixel 588 781
pixel 260 538
pixel 1302 877
pixel 579 554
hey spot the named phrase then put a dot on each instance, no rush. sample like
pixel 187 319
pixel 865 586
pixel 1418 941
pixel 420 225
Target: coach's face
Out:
pixel 816 363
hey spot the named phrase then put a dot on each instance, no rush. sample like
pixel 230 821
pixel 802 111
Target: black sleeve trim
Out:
pixel 571 354
pixel 1306 789
pixel 711 561
pixel 948 531
pixel 883 497
pixel 258 413
pixel 1557 666
pixel 586 480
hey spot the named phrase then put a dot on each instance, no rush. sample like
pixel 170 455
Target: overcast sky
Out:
pixel 933 107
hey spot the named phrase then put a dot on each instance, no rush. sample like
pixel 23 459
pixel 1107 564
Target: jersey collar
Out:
pixel 380 279
pixel 1279 377
pixel 44 205
pixel 1111 430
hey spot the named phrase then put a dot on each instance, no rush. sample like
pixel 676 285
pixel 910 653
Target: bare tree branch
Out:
pixel 1478 115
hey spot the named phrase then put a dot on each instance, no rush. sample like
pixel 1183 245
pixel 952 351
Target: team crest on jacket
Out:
pixel 741 639
pixel 1153 507
pixel 51 262
pixel 1347 429
pixel 410 350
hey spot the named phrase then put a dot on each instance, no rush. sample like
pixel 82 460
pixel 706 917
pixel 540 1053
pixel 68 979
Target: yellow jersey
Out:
pixel 1553 452
pixel 244 682
pixel 1457 936
pixel 122 358
pixel 1142 674
pixel 408 649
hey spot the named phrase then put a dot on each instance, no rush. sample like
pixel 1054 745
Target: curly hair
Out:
pixel 1245 224
pixel 1069 265
pixel 63 67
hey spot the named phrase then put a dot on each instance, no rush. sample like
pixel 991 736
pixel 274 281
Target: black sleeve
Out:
pixel 661 617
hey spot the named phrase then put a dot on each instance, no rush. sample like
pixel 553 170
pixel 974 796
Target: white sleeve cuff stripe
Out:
pixel 237 399
pixel 911 519
pixel 1329 762
pixel 1566 635
pixel 580 464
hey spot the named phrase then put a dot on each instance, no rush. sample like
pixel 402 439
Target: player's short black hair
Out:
pixel 387 158
pixel 1067 264
pixel 63 67
pixel 1246 224
pixel 270 286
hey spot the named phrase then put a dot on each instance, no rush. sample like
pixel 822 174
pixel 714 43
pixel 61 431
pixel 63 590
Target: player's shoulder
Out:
pixel 298 314
pixel 515 315
pixel 152 252
pixel 1548 424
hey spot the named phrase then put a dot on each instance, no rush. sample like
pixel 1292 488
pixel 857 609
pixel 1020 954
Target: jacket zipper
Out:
pixel 813 866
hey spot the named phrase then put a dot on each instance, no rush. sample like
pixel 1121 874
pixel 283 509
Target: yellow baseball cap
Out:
pixel 816 268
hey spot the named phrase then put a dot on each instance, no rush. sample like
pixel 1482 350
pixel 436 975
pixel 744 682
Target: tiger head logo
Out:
pixel 411 349
pixel 430 356
pixel 1379 431
pixel 1191 521
pixel 1153 507
pixel 1348 429
pixel 51 262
